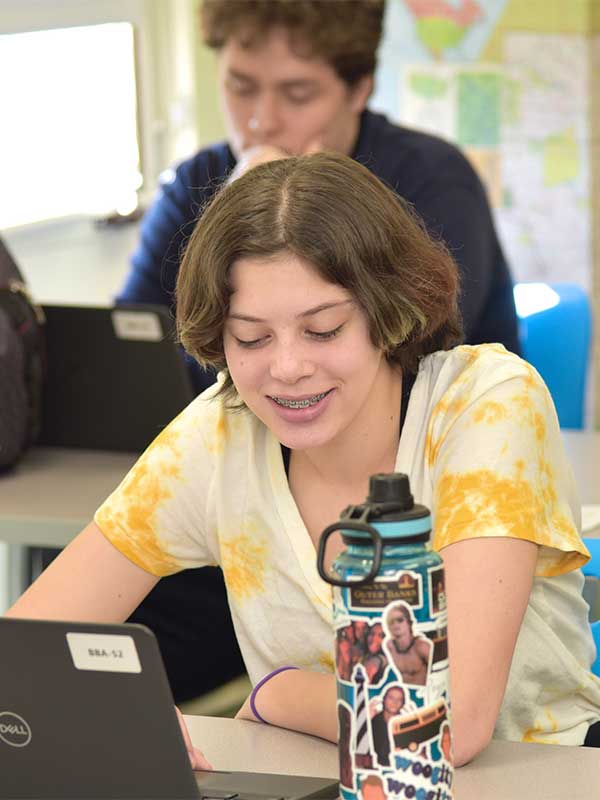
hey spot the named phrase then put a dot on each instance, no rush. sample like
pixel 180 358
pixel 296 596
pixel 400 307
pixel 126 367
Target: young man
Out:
pixel 294 78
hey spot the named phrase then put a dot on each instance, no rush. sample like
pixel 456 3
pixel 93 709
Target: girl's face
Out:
pixel 299 353
pixel 375 638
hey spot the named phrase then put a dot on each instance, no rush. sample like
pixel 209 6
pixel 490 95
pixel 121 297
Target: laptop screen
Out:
pixel 115 376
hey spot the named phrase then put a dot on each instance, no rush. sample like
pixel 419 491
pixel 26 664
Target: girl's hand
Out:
pixel 197 759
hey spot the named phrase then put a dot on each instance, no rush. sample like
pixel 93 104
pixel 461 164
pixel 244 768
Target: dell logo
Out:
pixel 14 730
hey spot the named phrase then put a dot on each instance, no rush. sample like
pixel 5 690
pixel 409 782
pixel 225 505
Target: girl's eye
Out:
pixel 326 334
pixel 249 343
pixel 321 336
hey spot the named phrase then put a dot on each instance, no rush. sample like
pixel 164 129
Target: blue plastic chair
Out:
pixel 596 634
pixel 592 569
pixel 555 332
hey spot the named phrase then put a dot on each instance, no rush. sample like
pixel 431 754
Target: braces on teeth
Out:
pixel 309 401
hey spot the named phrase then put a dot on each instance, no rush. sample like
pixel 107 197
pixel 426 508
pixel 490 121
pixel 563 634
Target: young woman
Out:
pixel 332 317
pixel 374 660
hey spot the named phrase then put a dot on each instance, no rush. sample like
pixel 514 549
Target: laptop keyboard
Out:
pixel 263 786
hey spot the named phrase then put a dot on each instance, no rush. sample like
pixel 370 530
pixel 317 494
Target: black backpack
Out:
pixel 21 363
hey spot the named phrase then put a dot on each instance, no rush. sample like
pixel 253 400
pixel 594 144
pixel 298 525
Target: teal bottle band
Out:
pixel 405 528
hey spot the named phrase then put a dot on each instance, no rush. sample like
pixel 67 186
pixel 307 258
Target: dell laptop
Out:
pixel 86 712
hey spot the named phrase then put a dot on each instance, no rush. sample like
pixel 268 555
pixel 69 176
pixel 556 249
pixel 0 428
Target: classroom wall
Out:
pixel 579 18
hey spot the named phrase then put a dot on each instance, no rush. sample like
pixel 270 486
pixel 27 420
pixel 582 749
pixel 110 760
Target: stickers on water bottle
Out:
pixel 392 669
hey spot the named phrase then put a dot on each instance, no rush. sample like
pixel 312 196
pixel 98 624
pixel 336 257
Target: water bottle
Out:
pixel 391 648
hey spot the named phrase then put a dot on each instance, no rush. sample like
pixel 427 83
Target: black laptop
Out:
pixel 115 376
pixel 86 712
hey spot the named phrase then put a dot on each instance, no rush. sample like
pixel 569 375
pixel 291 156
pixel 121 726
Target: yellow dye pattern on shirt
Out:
pixel 494 505
pixel 142 493
pixel 217 442
pixel 535 734
pixel 243 560
pixel 490 413
pixel 483 503
pixel 326 661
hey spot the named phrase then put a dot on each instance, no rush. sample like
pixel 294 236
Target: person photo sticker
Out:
pixel 383 709
pixel 408 651
pixel 359 641
pixel 439 615
pixel 372 788
pixel 437 591
pixel 374 660
pixel 344 651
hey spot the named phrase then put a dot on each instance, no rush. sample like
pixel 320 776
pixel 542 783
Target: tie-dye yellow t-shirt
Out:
pixel 482 448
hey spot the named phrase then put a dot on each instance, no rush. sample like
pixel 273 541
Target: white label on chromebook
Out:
pixel 140 326
pixel 100 652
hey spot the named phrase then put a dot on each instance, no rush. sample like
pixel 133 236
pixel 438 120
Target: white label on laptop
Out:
pixel 100 652
pixel 140 326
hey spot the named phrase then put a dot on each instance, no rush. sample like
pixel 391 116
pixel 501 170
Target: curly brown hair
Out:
pixel 332 212
pixel 344 33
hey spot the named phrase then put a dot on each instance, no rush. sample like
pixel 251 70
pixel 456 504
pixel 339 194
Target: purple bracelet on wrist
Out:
pixel 262 682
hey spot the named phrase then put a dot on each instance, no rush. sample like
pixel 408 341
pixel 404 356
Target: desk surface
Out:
pixel 54 492
pixel 504 771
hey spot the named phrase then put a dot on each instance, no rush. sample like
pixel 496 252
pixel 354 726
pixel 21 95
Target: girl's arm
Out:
pixel 488 582
pixel 299 700
pixel 90 581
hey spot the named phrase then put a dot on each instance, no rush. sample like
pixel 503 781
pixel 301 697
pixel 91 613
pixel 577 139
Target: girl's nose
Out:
pixel 290 364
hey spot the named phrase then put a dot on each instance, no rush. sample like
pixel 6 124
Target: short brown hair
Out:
pixel 333 213
pixel 345 33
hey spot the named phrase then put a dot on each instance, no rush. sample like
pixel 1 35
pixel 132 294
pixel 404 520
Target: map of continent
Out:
pixel 442 24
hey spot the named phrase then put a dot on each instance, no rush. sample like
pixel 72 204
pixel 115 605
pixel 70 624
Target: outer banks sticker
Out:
pixel 103 652
pixel 403 585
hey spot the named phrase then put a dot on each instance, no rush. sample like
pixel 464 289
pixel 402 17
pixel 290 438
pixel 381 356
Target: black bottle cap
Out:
pixel 390 488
